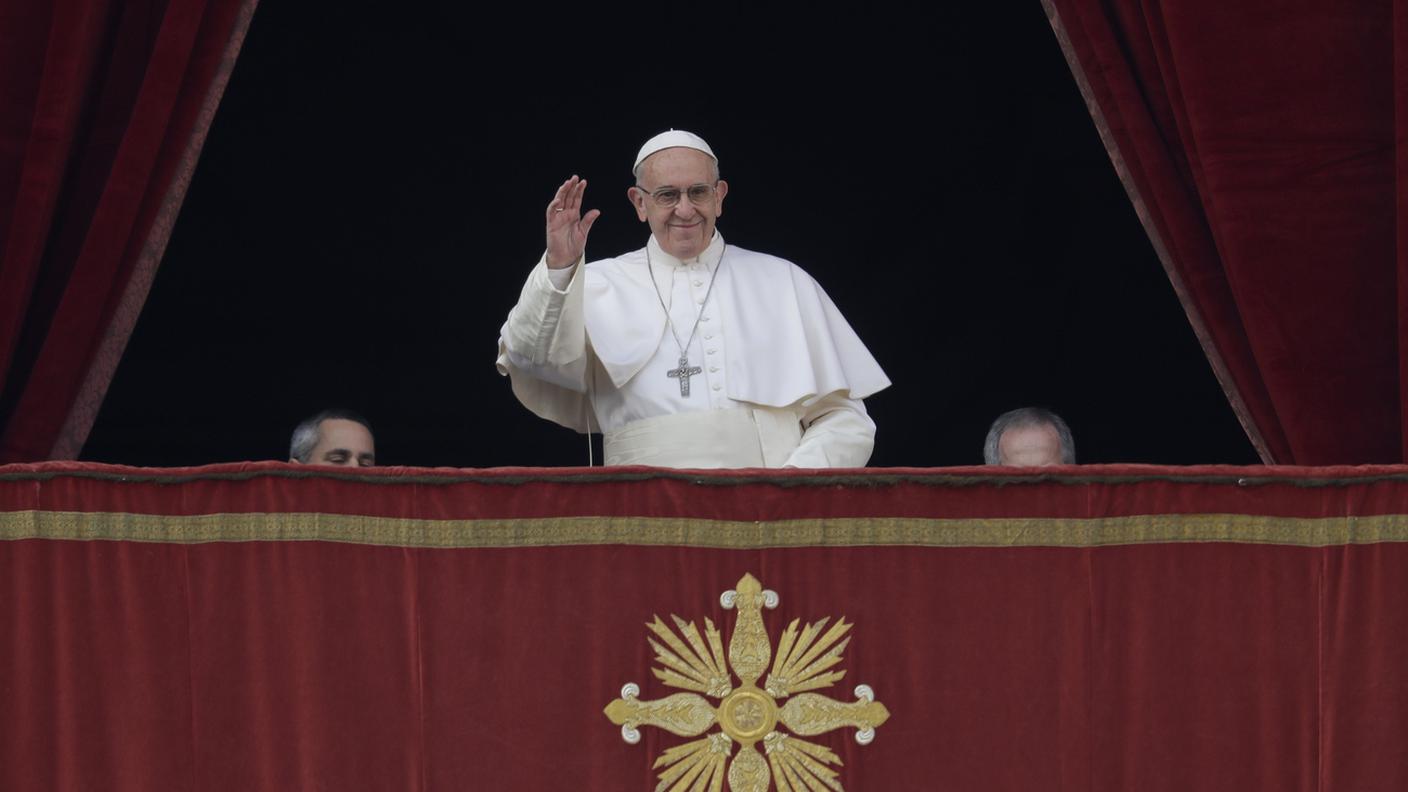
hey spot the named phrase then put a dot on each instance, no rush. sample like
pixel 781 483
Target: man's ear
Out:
pixel 720 190
pixel 637 197
pixel 295 460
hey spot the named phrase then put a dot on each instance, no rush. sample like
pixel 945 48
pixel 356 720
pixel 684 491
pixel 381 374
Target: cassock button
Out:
pixel 713 368
pixel 708 336
pixel 703 318
pixel 699 283
pixel 717 387
pixel 712 351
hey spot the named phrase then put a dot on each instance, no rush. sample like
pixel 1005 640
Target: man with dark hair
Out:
pixel 333 437
pixel 1029 437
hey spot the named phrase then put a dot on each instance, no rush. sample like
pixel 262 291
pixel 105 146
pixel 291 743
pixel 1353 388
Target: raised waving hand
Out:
pixel 566 225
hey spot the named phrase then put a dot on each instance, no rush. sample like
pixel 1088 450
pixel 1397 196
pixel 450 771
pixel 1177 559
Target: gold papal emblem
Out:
pixel 747 714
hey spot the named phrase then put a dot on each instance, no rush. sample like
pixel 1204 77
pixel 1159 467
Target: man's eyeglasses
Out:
pixel 669 197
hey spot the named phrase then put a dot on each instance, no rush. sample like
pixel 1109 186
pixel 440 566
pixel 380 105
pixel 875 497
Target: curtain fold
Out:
pixel 105 106
pixel 1261 146
pixel 1400 97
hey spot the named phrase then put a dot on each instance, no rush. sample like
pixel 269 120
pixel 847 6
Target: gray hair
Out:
pixel 306 435
pixel 1026 418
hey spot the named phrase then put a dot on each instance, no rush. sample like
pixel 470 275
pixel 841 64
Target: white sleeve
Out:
pixel 836 433
pixel 545 335
pixel 543 348
pixel 561 278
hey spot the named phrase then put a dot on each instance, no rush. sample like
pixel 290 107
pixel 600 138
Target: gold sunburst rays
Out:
pixel 801 766
pixel 801 660
pixel 746 715
pixel 696 766
pixel 688 664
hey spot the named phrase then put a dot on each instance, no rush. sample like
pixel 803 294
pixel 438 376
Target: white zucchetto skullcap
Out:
pixel 675 138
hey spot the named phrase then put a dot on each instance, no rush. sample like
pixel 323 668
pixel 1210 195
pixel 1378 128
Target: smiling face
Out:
pixel 685 229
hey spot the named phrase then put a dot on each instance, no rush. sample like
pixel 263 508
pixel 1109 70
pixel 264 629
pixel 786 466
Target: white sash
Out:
pixel 737 438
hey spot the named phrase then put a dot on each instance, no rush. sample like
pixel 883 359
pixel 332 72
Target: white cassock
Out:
pixel 781 374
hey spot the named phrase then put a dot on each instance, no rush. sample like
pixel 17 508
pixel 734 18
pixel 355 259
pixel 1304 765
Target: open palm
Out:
pixel 566 225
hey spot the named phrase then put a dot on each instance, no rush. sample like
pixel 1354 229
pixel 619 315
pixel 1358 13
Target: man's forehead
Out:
pixel 678 161
pixel 1031 433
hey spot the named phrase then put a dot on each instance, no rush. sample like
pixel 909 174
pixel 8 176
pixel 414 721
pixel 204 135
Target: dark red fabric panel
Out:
pixel 1365 698
pixel 104 116
pixel 280 664
pixel 1221 690
pixel 1258 143
pixel 306 667
pixel 1161 668
pixel 95 667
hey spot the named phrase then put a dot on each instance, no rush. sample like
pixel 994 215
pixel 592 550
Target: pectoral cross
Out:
pixel 683 373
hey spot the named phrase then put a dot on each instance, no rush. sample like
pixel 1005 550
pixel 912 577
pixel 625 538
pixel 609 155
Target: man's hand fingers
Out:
pixel 567 227
pixel 577 194
pixel 562 199
pixel 586 224
pixel 572 199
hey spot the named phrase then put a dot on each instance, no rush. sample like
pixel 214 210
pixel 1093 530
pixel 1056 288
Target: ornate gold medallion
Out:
pixel 748 715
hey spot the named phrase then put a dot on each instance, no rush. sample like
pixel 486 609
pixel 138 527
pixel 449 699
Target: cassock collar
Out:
pixel 709 258
pixel 785 341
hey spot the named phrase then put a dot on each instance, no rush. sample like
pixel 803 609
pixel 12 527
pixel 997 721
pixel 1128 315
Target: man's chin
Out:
pixel 684 246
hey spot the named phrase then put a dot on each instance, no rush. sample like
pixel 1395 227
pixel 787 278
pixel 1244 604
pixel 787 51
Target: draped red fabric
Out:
pixel 103 110
pixel 1262 146
pixel 1109 628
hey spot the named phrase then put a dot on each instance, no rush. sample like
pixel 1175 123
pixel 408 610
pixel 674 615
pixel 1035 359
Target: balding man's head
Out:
pixel 1029 437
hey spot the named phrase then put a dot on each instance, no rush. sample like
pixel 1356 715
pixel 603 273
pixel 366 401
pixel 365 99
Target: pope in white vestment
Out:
pixel 689 352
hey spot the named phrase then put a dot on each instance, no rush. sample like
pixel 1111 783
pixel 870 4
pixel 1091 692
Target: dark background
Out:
pixel 371 196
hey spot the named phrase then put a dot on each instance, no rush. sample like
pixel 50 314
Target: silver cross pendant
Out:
pixel 683 373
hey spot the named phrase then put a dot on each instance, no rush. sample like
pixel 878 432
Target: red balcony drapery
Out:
pixel 266 626
pixel 1263 147
pixel 104 107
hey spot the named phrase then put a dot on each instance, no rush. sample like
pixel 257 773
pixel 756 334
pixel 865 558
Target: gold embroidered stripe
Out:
pixel 685 532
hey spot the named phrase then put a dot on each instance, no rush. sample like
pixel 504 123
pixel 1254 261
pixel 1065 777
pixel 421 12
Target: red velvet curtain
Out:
pixel 1100 629
pixel 1263 146
pixel 104 106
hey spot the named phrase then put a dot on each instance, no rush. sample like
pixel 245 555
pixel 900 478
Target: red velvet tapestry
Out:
pixel 1263 146
pixel 104 107
pixel 274 627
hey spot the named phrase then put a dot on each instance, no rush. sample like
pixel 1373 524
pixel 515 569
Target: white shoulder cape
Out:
pixel 786 343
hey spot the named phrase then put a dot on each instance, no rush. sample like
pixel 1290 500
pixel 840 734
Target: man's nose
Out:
pixel 685 208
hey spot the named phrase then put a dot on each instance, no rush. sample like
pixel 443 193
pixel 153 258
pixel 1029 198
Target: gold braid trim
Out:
pixel 686 532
